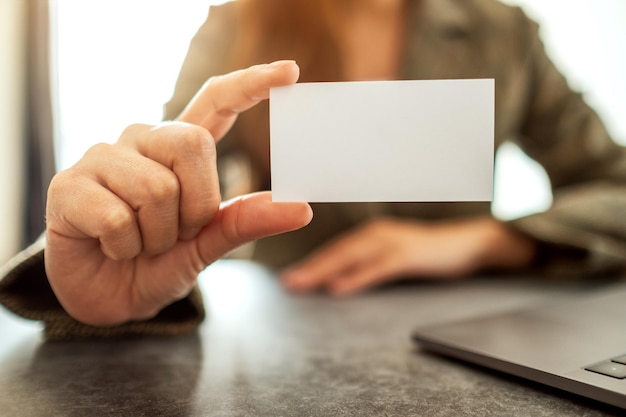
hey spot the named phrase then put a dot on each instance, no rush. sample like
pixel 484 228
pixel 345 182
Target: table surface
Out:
pixel 265 352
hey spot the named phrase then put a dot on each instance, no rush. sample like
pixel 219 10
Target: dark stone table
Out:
pixel 264 352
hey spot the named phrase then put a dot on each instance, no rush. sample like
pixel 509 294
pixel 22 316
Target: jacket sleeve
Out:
pixel 24 290
pixel 587 171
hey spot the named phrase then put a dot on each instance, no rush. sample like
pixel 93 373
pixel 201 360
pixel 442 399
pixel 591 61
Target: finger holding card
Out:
pixel 217 104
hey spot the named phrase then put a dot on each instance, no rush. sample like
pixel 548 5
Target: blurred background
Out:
pixel 114 62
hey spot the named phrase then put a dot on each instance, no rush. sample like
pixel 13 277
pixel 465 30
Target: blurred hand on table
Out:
pixel 386 250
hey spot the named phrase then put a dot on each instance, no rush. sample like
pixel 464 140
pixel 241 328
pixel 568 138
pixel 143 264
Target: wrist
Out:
pixel 502 247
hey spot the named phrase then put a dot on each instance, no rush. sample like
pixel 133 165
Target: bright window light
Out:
pixel 586 42
pixel 117 62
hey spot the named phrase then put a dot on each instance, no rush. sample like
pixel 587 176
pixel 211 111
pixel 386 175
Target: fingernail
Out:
pixel 280 63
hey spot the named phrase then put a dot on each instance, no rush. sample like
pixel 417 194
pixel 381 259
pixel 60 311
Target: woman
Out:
pixel 142 270
pixel 348 248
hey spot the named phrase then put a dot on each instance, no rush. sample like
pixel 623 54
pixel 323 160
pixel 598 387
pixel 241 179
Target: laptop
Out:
pixel 578 345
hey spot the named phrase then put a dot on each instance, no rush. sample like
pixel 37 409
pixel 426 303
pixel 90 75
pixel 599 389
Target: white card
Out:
pixel 394 141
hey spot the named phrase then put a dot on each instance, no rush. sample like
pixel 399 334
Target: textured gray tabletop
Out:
pixel 263 352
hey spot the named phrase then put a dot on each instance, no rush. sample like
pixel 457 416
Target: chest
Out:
pixel 371 49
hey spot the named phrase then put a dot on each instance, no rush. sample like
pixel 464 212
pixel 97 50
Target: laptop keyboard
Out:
pixel 615 367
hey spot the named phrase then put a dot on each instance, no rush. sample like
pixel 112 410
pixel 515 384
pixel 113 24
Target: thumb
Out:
pixel 247 218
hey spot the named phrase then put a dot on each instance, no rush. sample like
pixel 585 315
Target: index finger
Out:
pixel 217 104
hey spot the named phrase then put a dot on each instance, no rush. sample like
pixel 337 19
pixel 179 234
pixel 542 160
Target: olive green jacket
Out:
pixel 582 234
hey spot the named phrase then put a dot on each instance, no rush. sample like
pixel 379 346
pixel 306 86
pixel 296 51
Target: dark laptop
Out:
pixel 577 346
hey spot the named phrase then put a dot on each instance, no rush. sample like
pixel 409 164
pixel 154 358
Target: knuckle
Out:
pixel 117 221
pixel 98 147
pixel 95 152
pixel 203 211
pixel 197 141
pixel 215 79
pixel 133 130
pixel 59 183
pixel 63 189
pixel 192 141
pixel 159 189
pixel 118 235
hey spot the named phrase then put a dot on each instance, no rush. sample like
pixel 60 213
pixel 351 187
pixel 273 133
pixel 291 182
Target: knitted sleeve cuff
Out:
pixel 24 290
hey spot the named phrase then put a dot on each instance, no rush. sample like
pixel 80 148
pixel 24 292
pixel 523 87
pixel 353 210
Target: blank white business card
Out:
pixel 383 141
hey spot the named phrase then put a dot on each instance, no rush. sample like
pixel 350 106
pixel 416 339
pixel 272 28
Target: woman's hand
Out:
pixel 389 249
pixel 130 226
